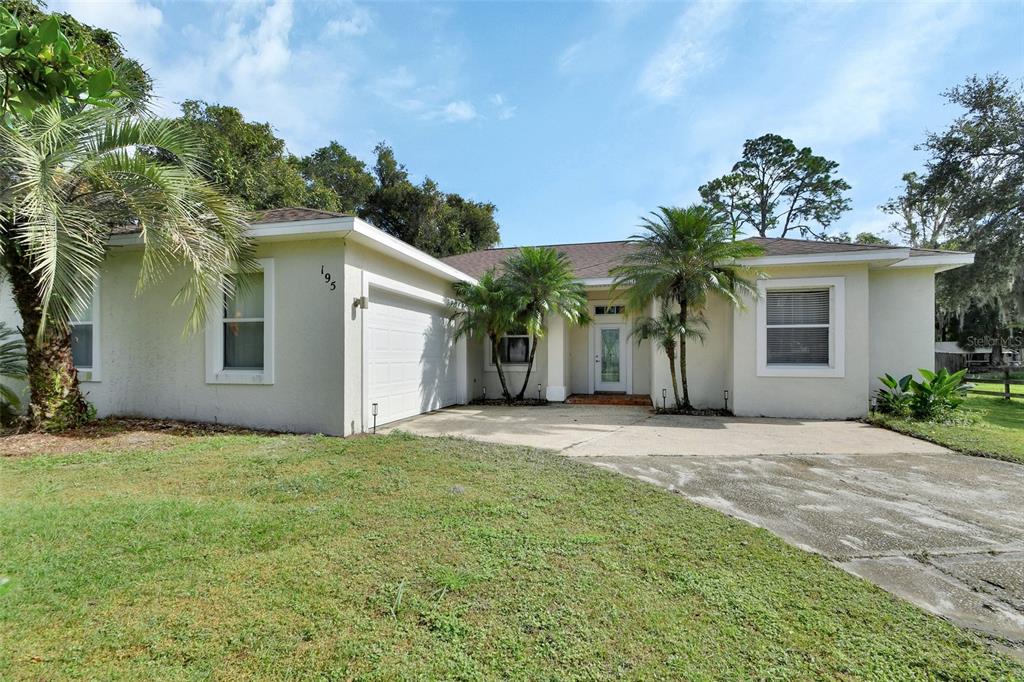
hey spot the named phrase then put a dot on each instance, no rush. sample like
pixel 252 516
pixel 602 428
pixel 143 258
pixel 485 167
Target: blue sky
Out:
pixel 577 118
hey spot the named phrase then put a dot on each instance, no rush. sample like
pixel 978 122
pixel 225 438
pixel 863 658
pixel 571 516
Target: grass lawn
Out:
pixel 252 556
pixel 1015 389
pixel 998 431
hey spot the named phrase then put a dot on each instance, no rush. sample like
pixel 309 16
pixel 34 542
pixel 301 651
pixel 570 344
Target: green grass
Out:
pixel 248 556
pixel 997 429
pixel 1015 389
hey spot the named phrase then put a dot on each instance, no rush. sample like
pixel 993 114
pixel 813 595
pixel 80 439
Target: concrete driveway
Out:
pixel 942 530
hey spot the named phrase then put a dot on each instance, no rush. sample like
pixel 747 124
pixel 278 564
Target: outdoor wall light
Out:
pixel 725 394
pixel 361 302
pixel 373 410
pixel 664 397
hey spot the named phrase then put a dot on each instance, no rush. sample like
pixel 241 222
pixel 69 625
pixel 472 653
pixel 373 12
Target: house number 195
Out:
pixel 328 280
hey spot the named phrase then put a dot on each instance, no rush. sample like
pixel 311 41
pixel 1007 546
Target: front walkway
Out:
pixel 943 530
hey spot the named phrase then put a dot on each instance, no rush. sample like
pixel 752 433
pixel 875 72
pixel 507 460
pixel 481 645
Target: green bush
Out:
pixel 938 393
pixel 895 398
pixel 935 397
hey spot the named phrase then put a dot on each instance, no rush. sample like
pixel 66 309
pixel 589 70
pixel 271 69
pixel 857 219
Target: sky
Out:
pixel 575 118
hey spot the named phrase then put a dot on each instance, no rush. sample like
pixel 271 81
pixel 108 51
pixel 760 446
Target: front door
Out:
pixel 609 357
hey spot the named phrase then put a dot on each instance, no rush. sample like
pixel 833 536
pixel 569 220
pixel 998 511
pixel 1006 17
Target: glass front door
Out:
pixel 609 372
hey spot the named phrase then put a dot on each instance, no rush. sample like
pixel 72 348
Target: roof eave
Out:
pixel 874 255
pixel 939 262
pixel 346 227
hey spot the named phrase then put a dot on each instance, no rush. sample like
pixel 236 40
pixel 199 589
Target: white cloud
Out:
pixel 571 55
pixel 136 22
pixel 243 55
pixel 459 111
pixel 403 90
pixel 504 110
pixel 357 23
pixel 880 77
pixel 689 49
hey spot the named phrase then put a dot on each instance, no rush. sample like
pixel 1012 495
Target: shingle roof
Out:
pixel 273 215
pixel 589 260
pixel 289 214
pixel 596 259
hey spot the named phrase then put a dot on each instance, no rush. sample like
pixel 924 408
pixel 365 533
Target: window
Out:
pixel 609 310
pixel 85 341
pixel 240 340
pixel 800 329
pixel 514 349
pixel 243 323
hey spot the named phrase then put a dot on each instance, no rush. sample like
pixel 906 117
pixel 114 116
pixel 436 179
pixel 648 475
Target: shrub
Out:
pixel 937 393
pixel 934 397
pixel 895 398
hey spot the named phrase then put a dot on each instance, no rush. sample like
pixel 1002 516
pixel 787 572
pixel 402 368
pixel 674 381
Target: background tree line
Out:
pixel 969 196
pixel 252 163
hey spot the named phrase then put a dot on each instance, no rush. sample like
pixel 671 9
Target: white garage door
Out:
pixel 411 357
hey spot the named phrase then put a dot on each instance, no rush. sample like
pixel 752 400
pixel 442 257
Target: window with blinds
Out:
pixel 243 323
pixel 798 327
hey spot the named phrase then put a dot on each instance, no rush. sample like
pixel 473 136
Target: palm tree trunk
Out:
pixel 55 398
pixel 683 310
pixel 529 368
pixel 501 371
pixel 672 370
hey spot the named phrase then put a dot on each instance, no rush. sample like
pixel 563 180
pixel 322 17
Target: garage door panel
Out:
pixel 410 357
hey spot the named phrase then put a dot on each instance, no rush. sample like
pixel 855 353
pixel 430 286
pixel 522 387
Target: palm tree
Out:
pixel 484 309
pixel 68 178
pixel 12 368
pixel 685 255
pixel 542 284
pixel 665 331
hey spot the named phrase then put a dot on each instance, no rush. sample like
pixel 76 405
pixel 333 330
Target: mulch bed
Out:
pixel 114 433
pixel 694 412
pixel 515 403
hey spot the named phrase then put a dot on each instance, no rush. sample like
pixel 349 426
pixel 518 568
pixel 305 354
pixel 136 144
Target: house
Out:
pixel 830 318
pixel 345 326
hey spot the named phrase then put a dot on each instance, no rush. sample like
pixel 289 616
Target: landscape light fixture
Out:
pixel 373 409
pixel 538 391
pixel 725 394
pixel 664 397
pixel 485 394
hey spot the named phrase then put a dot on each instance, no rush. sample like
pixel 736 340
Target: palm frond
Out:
pixel 75 175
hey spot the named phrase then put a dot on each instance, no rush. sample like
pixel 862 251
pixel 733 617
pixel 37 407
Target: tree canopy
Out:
pixel 252 162
pixel 777 188
pixel 971 197
pixel 53 58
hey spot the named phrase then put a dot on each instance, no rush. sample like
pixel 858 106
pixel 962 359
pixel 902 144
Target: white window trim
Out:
pixel 510 367
pixel 215 370
pixel 837 328
pixel 93 374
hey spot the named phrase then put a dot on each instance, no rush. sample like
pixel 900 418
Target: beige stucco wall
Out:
pixel 819 397
pixel 707 362
pixel 902 322
pixel 579 358
pixel 10 317
pixel 149 368
pixel 514 374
